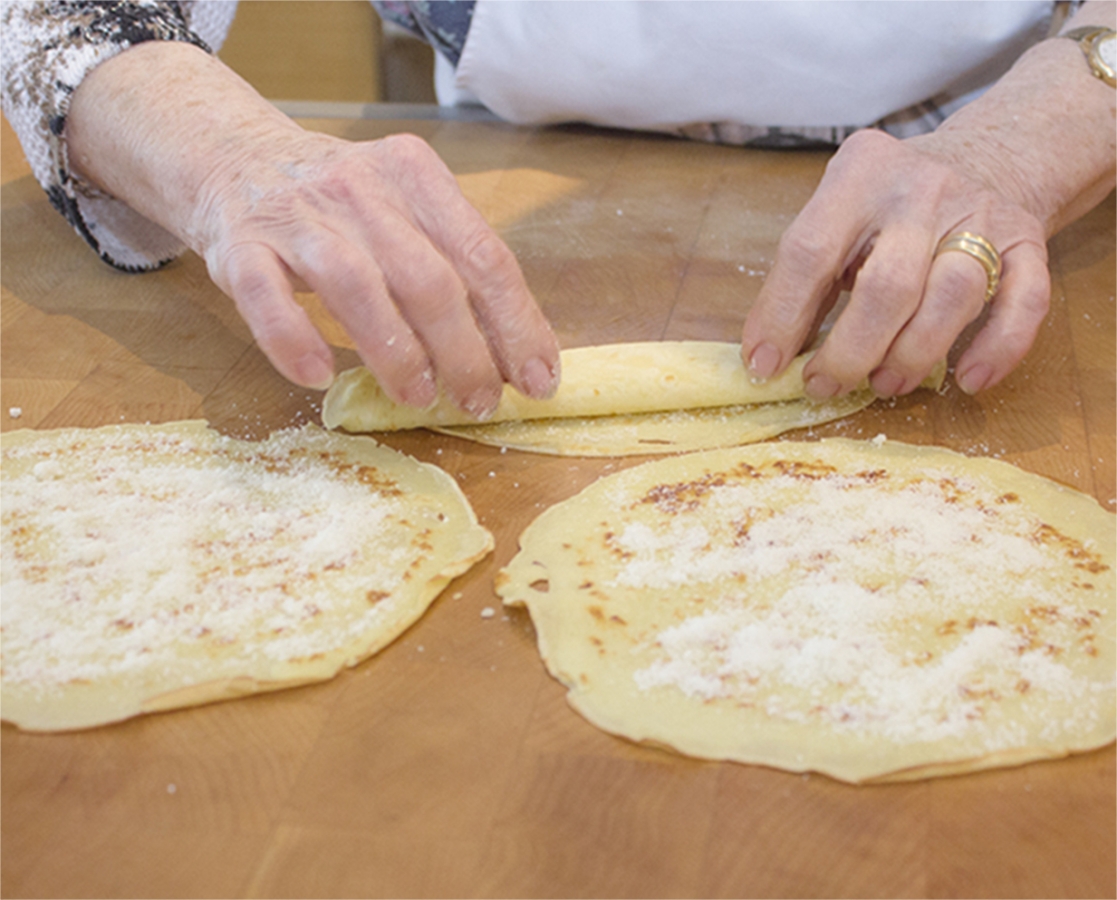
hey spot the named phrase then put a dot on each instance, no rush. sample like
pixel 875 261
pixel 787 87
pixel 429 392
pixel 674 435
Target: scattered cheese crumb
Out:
pixel 488 612
pixel 879 440
pixel 15 412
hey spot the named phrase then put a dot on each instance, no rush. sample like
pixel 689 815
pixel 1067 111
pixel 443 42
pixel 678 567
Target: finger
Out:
pixel 353 289
pixel 829 236
pixel 1017 312
pixel 522 343
pixel 257 282
pixel 884 297
pixel 434 301
pixel 954 297
pixel 809 262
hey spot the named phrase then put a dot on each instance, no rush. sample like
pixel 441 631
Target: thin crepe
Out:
pixel 153 567
pixel 605 380
pixel 618 400
pixel 872 611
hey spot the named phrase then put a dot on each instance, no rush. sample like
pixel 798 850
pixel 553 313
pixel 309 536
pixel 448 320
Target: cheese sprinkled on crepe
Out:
pixel 152 567
pixel 868 610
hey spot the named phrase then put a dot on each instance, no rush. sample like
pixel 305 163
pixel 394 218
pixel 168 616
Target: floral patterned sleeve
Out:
pixel 47 47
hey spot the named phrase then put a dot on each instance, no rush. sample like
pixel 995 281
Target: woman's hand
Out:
pixel 873 226
pixel 379 230
pixel 1031 155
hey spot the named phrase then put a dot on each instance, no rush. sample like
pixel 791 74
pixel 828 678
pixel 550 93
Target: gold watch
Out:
pixel 1100 46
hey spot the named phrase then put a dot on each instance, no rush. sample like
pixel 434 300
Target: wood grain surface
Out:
pixel 450 764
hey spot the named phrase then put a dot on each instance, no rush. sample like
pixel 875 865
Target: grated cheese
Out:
pixel 856 574
pixel 187 557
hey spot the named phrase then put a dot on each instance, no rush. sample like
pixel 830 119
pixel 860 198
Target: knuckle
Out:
pixel 860 149
pixel 349 276
pixel 408 153
pixel 869 138
pixel 272 322
pixel 246 275
pixel 406 145
pixel 486 253
pixel 890 285
pixel 435 288
pixel 494 274
pixel 331 261
pixel 960 290
pixel 251 286
pixel 960 280
pixel 318 250
pixel 810 248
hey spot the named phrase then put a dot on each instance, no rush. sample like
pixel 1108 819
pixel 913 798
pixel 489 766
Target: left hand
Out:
pixel 873 226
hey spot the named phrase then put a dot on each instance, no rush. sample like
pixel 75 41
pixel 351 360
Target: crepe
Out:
pixel 868 610
pixel 649 434
pixel 617 400
pixel 611 379
pixel 154 567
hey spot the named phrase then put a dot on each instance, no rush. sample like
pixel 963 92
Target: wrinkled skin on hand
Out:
pixel 872 227
pixel 429 294
pixel 381 232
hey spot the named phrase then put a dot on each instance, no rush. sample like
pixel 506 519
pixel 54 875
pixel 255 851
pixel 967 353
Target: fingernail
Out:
pixel 975 378
pixel 821 387
pixel 314 372
pixel 764 361
pixel 886 383
pixel 538 379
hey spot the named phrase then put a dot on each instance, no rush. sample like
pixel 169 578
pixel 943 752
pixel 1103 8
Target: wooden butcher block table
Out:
pixel 450 764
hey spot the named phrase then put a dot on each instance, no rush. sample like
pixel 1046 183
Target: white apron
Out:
pixel 663 65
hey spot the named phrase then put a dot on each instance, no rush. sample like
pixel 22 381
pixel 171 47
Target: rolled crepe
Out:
pixel 613 379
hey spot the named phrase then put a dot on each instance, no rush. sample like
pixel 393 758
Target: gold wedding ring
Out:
pixel 980 249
